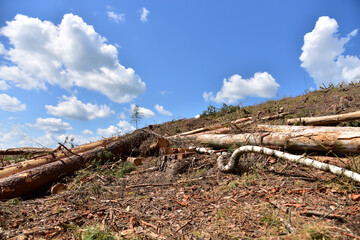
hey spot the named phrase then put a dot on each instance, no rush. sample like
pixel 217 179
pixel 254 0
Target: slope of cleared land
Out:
pixel 190 199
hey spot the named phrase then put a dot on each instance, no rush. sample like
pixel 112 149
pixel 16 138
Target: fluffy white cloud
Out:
pixel 72 108
pixel 144 14
pixel 322 55
pixel 70 54
pixel 110 131
pixel 147 113
pixel 2 48
pixel 162 111
pixel 3 85
pixel 116 17
pixel 15 137
pixel 236 88
pixel 122 115
pixel 11 104
pixel 87 132
pixel 51 125
pixel 125 127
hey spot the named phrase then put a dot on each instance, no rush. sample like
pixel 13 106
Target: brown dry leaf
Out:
pixel 355 197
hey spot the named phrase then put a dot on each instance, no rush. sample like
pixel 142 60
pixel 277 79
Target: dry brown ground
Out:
pixel 189 199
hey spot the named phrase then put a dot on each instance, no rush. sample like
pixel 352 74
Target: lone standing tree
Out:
pixel 136 115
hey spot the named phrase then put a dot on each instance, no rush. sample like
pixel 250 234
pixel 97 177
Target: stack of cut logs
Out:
pixel 26 177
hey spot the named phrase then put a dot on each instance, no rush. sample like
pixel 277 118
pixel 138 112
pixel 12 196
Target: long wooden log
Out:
pixel 234 159
pixel 322 139
pixel 325 120
pixel 26 182
pixel 23 151
pixel 54 156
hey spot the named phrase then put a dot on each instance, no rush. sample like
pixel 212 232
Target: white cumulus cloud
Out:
pixel 322 55
pixel 11 104
pixel 73 108
pixel 162 111
pixel 51 125
pixel 236 88
pixel 110 131
pixel 3 85
pixel 87 132
pixel 116 17
pixel 125 127
pixel 144 14
pixel 69 54
pixel 147 113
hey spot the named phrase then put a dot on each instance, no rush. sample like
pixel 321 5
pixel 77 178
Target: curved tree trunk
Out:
pixel 234 159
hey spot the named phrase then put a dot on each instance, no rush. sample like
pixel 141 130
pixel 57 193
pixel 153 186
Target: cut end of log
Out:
pixel 135 160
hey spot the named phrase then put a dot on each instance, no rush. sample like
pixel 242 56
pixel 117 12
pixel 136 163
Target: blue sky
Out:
pixel 77 68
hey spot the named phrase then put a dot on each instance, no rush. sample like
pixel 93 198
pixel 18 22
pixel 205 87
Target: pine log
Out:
pixel 321 139
pixel 234 159
pixel 23 151
pixel 54 156
pixel 325 120
pixel 27 181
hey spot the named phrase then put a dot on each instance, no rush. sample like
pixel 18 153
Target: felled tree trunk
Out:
pixel 321 139
pixel 26 182
pixel 234 159
pixel 54 156
pixel 325 120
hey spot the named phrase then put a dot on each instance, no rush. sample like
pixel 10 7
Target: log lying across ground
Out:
pixel 24 151
pixel 321 139
pixel 26 182
pixel 53 156
pixel 325 120
pixel 224 127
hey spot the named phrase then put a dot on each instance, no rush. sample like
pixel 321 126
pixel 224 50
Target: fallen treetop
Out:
pixel 325 120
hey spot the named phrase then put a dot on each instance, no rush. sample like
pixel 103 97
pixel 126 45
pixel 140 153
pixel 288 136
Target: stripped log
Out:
pixel 54 156
pixel 325 120
pixel 224 127
pixel 322 139
pixel 234 160
pixel 26 182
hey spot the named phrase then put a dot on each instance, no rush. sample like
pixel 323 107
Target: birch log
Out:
pixel 322 139
pixel 54 156
pixel 27 181
pixel 325 120
pixel 234 160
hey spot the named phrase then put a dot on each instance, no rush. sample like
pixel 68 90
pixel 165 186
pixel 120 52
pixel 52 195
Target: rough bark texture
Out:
pixel 26 182
pixel 322 139
pixel 234 159
pixel 325 120
pixel 54 156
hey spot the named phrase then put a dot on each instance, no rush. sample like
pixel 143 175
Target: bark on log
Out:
pixel 325 120
pixel 234 159
pixel 26 182
pixel 23 151
pixel 321 139
pixel 54 156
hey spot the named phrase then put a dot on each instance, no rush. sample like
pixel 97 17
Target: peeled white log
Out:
pixel 234 159
pixel 304 138
pixel 325 120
